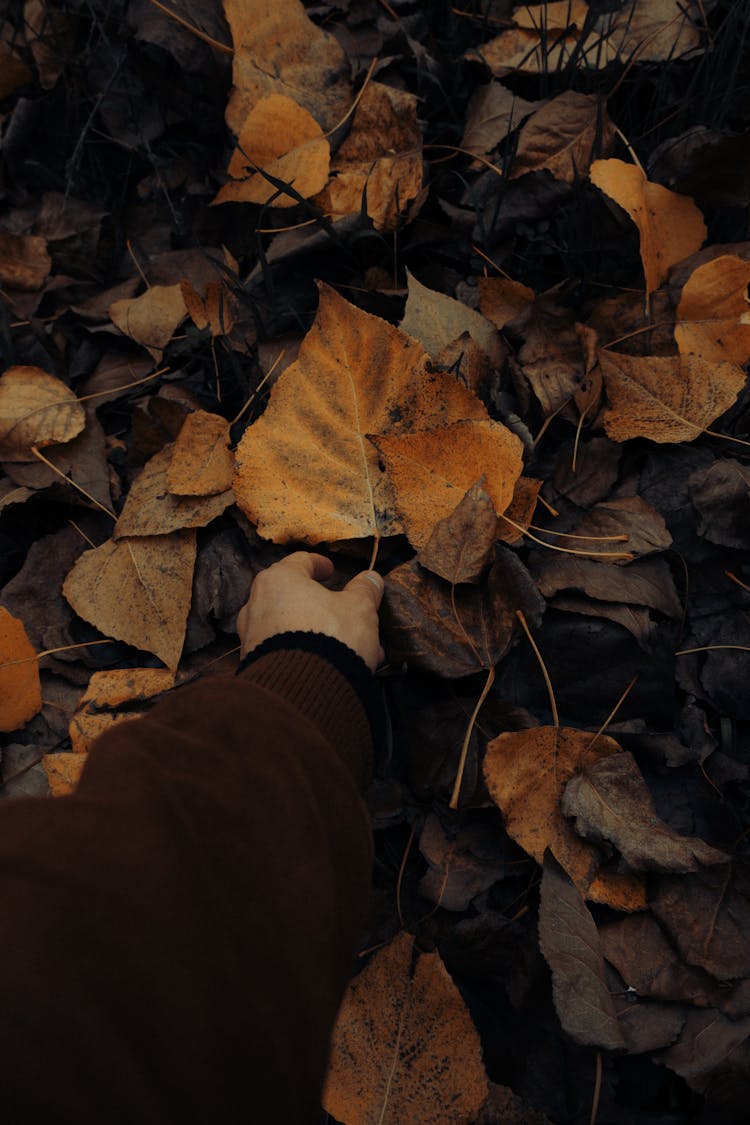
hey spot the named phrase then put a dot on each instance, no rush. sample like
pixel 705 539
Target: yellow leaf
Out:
pixel 201 462
pixel 502 300
pixel 63 772
pixel 436 320
pixel 712 317
pixel 151 509
pixel 97 708
pixel 36 409
pixel 152 318
pixel 20 689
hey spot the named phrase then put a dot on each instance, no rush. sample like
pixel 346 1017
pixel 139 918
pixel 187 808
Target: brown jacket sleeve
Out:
pixel 176 935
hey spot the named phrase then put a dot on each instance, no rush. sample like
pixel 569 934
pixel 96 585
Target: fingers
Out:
pixel 371 583
pixel 309 563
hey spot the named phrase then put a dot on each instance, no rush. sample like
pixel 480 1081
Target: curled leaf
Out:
pixel 35 409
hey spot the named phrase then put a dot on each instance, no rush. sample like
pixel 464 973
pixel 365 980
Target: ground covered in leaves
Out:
pixel 463 292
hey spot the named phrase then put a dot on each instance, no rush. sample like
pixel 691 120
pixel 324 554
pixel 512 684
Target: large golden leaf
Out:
pixel 404 1047
pixel 305 470
pixel 665 398
pixel 38 409
pixel 670 225
pixel 20 689
pixel 713 317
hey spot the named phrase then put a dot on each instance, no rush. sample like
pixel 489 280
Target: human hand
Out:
pixel 289 595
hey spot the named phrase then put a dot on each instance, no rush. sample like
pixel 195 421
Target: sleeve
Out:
pixel 178 933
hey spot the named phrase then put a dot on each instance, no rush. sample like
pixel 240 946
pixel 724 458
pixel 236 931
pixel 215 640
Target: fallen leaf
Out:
pixel 63 772
pixel 652 30
pixel 83 460
pixel 461 545
pixel 570 944
pixel 720 494
pixel 20 689
pixel 380 163
pixel 555 15
pixel 707 914
pixel 420 626
pixel 502 300
pixel 592 476
pixel 649 1025
pixel 279 50
pixel 201 463
pixel 217 311
pixel 609 801
pixel 151 509
pixel 523 50
pixel 305 470
pixel 520 510
pixel 665 398
pixel 436 319
pixel 152 318
pixel 281 138
pixel 137 590
pixel 713 1051
pixel 50 37
pixel 552 355
pixel 404 1047
pixel 13 72
pixel 11 493
pixel 671 226
pixel 625 515
pixel 713 317
pixel 646 582
pixel 431 470
pixel 35 409
pixel 563 137
pixel 636 619
pixel 98 708
pixel 24 261
pixel 492 113
pixel 461 865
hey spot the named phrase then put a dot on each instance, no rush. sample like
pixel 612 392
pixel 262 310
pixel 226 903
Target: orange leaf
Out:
pixel 151 509
pixel 283 139
pixel 35 409
pixel 671 226
pixel 97 709
pixel 20 689
pixel 63 772
pixel 137 590
pixel 152 318
pixel 713 317
pixel 502 300
pixel 305 469
pixel 404 1047
pixel 216 311
pixel 432 470
pixel 201 463
pixel 556 15
pixel 24 261
pixel 665 398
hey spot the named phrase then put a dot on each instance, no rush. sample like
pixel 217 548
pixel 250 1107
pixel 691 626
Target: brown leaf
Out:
pixel 404 1048
pixel 98 708
pixel 713 319
pixel 431 470
pixel 279 50
pixel 520 510
pixel 305 470
pixel 284 140
pixel 216 311
pixel 569 941
pixel 63 772
pixel 665 398
pixel 563 136
pixel 461 865
pixel 20 689
pixel 671 226
pixel 502 300
pixel 707 914
pixel 523 50
pixel 83 460
pixel 462 543
pixel 380 161
pixel 554 15
pixel 201 463
pixel 720 494
pixel 50 36
pixel 624 515
pixel 24 261
pixel 610 801
pixel 526 773
pixel 636 619
pixel 713 1051
pixel 594 474
pixel 646 582
pixel 137 590
pixel 493 112
pixel 151 509
pixel 654 30
pixel 435 320
pixel 552 356
pixel 152 318
pixel 421 629
pixel 648 1025
pixel 35 409
pixel 13 72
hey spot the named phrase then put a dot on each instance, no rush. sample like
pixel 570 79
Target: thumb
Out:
pixel 369 581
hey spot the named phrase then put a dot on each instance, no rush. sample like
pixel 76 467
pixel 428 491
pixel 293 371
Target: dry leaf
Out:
pixel 462 864
pixel 138 591
pixel 432 470
pixel 83 460
pixel 646 582
pixel 520 512
pixel 552 354
pixel 713 317
pixel 380 162
pixel 279 50
pixel 152 318
pixel 217 311
pixel 570 944
pixel 20 689
pixel 671 226
pixel 563 136
pixel 13 72
pixel 35 409
pixel 502 300
pixel 50 36
pixel 151 509
pixel 107 691
pixel 720 495
pixel 461 544
pixel 624 515
pixel 436 320
pixel 665 398
pixel 652 30
pixel 24 261
pixel 713 1052
pixel 305 470
pixel 522 49
pixel 554 15
pixel 63 772
pixel 404 1047
pixel 493 112
pixel 284 140
pixel 201 462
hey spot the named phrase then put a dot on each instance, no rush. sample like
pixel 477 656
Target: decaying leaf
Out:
pixel 305 470
pixel 152 318
pixel 63 772
pixel 713 317
pixel 569 940
pixel 24 260
pixel 714 1051
pixel 670 225
pixel 647 582
pixel 520 512
pixel 217 311
pixel 502 300
pixel 404 1047
pixel 35 409
pixel 461 544
pixel 281 138
pixel 654 30
pixel 522 49
pixel 99 707
pixel 432 470
pixel 552 355
pixel 563 137
pixel 436 319
pixel 137 590
pixel 151 509
pixel 721 496
pixel 493 112
pixel 554 15
pixel 201 462
pixel 20 689
pixel 624 515
pixel 609 801
pixel 461 865
pixel 13 72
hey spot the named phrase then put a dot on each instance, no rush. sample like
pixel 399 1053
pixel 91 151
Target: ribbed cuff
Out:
pixel 355 724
